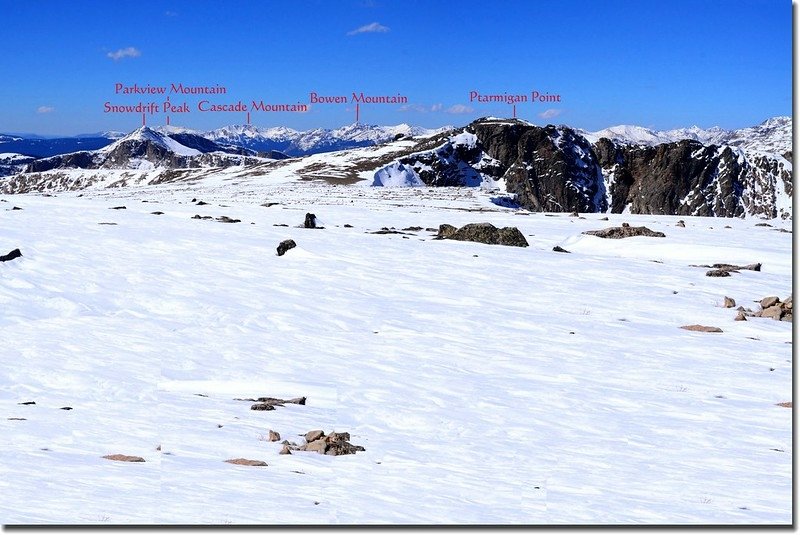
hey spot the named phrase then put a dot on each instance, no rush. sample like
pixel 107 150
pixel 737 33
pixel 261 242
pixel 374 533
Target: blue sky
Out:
pixel 656 64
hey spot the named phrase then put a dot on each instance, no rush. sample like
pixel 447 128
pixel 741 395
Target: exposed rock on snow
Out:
pixel 11 256
pixel 702 328
pixel 310 221
pixel 246 462
pixel 316 440
pixel 124 458
pixel 625 231
pixel 285 245
pixel 484 233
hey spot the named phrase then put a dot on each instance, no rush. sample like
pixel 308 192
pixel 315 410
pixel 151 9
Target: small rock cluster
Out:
pixel 625 231
pixel 316 440
pixel 269 404
pixel 725 270
pixel 483 233
pixel 771 307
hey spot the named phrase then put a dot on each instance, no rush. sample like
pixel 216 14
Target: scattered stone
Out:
pixel 718 273
pixel 787 404
pixel 202 395
pixel 262 407
pixel 201 203
pixel 740 316
pixel 10 256
pixel 413 229
pixel 559 249
pixel 16 208
pixel 311 221
pixel 285 245
pixel 282 402
pixel 18 419
pixel 158 448
pixel 280 225
pixel 226 219
pixel 117 208
pixel 625 231
pixel 385 230
pixel 65 408
pixel 773 312
pixel 27 403
pixel 268 204
pixel 431 229
pixel 769 301
pixel 575 214
pixel 728 302
pixel 198 216
pixel 112 224
pixel 316 434
pixel 285 450
pixel 157 213
pixel 338 444
pixel 273 436
pixel 319 445
pixel 219 426
pixel 484 233
pixel 246 462
pixel 680 223
pixel 728 226
pixel 124 458
pixel 702 328
pixel 763 225
pixel 783 230
pixel 603 219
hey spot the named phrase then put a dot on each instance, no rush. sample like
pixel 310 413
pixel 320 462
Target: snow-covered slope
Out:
pixel 487 384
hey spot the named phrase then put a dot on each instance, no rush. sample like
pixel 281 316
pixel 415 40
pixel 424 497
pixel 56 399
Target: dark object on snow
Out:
pixel 311 221
pixel 262 407
pixel 559 249
pixel 718 273
pixel 27 403
pixel 117 208
pixel 226 219
pixel 198 216
pixel 10 256
pixel 625 231
pixel 285 245
pixel 201 203
pixel 66 408
pixel 157 213
pixel 16 208
pixel 483 233
pixel 725 270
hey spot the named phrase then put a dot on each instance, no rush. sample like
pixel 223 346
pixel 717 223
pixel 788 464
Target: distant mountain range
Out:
pixel 689 171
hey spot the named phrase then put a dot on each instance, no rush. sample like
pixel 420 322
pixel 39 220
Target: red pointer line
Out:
pixel 515 111
pixel 248 117
pixel 167 120
pixel 143 119
pixel 356 112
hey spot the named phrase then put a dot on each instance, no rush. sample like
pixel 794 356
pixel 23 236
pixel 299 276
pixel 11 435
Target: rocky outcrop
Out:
pixel 556 169
pixel 625 231
pixel 484 233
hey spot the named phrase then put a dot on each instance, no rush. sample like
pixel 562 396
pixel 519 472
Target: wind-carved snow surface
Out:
pixel 488 384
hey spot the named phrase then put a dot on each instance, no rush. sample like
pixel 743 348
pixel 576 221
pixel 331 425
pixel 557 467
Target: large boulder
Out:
pixel 484 233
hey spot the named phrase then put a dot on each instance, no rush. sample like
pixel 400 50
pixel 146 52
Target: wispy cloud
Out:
pixel 459 108
pixel 130 52
pixel 413 107
pixel 549 114
pixel 45 109
pixel 375 27
pixel 437 107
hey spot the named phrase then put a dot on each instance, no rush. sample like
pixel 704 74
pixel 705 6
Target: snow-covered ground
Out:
pixel 488 384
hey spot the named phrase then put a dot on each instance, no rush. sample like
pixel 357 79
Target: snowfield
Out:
pixel 487 384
